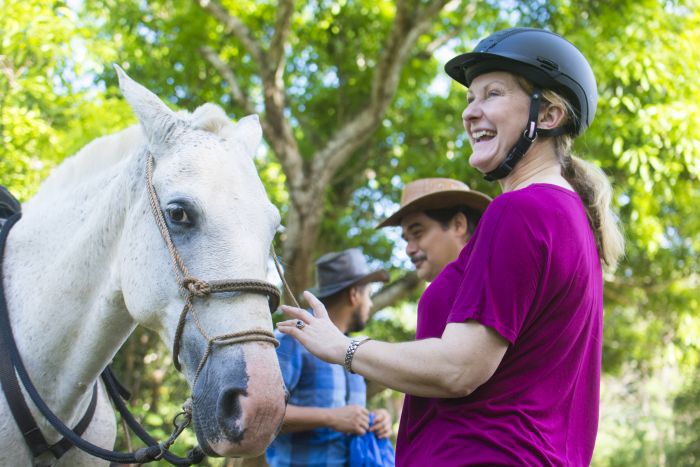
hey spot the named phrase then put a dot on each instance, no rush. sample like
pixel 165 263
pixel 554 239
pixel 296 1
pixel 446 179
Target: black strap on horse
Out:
pixel 20 411
pixel 10 361
pixel 118 393
pixel 8 204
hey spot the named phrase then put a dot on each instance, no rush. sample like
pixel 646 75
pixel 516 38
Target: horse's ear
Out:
pixel 249 133
pixel 157 120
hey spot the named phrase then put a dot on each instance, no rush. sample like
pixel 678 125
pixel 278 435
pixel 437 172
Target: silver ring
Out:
pixel 300 324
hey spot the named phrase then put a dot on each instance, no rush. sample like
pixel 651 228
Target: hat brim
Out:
pixel 331 289
pixel 439 200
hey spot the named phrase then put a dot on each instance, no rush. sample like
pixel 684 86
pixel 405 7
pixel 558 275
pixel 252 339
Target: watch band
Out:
pixel 350 353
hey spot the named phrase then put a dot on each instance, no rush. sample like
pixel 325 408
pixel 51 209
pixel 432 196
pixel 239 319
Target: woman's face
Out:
pixel 495 117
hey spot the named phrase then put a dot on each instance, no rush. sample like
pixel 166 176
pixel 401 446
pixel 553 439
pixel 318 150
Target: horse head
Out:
pixel 221 224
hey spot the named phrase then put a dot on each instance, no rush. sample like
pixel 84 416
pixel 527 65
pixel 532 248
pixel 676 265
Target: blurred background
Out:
pixel 354 104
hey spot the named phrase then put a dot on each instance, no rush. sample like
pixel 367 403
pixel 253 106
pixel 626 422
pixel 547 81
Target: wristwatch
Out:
pixel 350 353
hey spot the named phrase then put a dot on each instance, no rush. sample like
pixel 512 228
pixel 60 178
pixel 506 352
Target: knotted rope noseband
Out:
pixel 191 287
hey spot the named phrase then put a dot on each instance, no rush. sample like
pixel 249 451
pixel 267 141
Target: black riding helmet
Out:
pixel 546 59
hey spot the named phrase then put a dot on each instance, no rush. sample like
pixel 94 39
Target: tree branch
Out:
pixel 237 94
pixel 395 291
pixel 281 136
pixel 285 9
pixel 405 33
pixel 235 26
pixel 469 13
pixel 278 132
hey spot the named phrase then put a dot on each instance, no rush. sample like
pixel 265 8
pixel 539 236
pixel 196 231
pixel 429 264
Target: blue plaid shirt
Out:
pixel 312 382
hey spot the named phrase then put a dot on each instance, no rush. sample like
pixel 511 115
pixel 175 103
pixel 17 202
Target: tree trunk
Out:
pixel 396 291
pixel 300 239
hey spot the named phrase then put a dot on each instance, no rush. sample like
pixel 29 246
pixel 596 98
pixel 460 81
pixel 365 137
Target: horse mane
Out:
pixel 105 152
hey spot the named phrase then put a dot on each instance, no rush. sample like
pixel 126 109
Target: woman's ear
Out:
pixel 552 116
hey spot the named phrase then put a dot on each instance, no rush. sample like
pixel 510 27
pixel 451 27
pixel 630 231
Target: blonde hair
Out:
pixel 589 181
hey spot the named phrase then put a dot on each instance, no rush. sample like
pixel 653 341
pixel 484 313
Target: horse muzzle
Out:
pixel 239 401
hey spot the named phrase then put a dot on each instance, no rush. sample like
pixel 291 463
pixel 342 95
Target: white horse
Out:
pixel 86 264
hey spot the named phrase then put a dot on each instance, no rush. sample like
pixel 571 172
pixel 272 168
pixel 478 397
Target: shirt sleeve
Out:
pixel 502 270
pixel 290 359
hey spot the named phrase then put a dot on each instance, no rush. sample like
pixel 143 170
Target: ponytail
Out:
pixel 595 191
pixel 589 181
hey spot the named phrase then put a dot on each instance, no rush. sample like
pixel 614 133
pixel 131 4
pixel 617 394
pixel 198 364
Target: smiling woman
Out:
pixel 507 368
pixel 493 99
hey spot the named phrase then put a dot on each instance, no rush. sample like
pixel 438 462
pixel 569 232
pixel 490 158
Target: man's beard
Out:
pixel 356 324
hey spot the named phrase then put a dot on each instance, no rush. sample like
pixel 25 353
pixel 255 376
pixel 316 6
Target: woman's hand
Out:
pixel 317 333
pixel 382 424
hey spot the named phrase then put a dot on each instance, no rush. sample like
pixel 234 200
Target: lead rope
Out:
pixel 281 274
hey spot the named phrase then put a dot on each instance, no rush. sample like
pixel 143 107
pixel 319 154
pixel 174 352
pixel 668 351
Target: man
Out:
pixel 437 217
pixel 327 403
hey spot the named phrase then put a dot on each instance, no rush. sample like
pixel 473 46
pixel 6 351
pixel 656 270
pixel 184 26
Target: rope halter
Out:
pixel 191 287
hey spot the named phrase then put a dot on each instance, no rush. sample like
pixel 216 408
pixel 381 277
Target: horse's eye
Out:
pixel 177 214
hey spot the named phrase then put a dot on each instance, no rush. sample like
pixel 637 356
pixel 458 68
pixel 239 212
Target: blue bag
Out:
pixel 369 451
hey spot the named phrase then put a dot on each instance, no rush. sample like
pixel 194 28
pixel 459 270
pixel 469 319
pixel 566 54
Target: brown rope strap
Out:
pixel 198 288
pixel 251 335
pixel 180 268
pixel 281 274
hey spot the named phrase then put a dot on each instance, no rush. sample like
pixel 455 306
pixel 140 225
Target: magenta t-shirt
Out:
pixel 531 271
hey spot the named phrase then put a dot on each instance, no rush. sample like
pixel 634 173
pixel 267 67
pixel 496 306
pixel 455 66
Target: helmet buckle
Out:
pixel 530 130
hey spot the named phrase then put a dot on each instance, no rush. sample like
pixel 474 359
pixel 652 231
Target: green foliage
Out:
pixel 685 450
pixel 48 108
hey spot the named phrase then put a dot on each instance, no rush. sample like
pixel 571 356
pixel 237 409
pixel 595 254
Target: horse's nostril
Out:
pixel 229 413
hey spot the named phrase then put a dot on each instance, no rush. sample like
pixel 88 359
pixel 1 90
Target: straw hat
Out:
pixel 436 193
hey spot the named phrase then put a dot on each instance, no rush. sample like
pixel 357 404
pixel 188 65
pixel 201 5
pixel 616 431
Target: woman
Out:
pixel 512 377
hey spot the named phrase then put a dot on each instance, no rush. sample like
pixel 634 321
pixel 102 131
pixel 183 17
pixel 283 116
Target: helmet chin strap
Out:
pixel 525 141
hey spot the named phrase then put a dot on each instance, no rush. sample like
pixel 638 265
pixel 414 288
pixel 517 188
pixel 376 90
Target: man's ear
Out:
pixel 354 295
pixel 460 223
pixel 552 116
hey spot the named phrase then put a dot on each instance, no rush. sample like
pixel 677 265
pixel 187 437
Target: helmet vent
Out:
pixel 547 63
pixel 487 45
